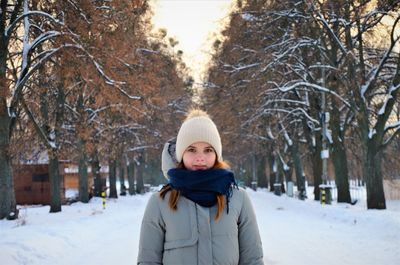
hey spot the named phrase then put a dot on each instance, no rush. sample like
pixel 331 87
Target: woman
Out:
pixel 200 216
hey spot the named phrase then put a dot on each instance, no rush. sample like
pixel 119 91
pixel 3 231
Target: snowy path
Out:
pixel 292 231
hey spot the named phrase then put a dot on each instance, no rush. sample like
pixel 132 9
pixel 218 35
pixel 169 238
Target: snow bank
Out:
pixel 292 231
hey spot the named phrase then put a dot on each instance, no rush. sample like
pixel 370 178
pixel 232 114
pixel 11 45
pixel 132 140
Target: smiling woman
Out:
pixel 191 23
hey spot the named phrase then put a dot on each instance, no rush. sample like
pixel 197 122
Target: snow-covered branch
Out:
pixel 81 13
pixel 44 37
pixel 108 80
pixel 144 50
pixel 93 113
pixel 72 110
pixel 239 68
pixel 393 126
pixel 396 130
pixel 27 72
pixel 331 33
pixel 28 14
pixel 142 148
pixel 392 90
pixel 375 71
pixel 39 130
pixel 249 136
pixel 286 135
pixel 271 111
pixel 113 128
pixel 314 86
pixel 285 100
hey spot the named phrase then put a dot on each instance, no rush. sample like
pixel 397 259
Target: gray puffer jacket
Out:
pixel 191 236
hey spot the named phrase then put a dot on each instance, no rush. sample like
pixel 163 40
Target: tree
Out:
pixel 238 80
pixel 19 60
pixel 374 71
pixel 287 54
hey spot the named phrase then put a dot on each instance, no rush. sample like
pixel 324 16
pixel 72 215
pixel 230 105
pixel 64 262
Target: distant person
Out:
pixel 200 216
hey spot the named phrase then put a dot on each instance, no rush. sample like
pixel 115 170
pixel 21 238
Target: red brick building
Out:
pixel 32 185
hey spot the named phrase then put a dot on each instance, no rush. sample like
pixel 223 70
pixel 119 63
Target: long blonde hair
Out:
pixel 175 194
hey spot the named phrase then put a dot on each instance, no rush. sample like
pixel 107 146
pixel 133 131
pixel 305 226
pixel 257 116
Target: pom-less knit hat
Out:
pixel 198 127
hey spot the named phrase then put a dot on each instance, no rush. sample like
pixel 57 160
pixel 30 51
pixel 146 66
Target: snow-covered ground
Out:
pixel 293 232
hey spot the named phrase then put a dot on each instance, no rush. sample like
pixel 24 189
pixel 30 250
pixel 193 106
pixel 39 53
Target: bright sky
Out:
pixel 191 22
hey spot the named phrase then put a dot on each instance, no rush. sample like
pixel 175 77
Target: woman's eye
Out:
pixel 209 150
pixel 192 150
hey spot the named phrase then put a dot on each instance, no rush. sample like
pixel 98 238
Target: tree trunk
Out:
pixel 131 178
pixel 262 177
pixel 53 156
pixel 83 175
pixel 98 182
pixel 139 173
pixel 113 178
pixel 314 141
pixel 339 156
pixel 55 182
pixel 242 175
pixel 298 167
pixel 247 174
pixel 339 159
pixel 8 207
pixel 281 174
pixel 121 177
pixel 272 171
pixel 83 168
pixel 317 165
pixel 254 172
pixel 373 177
pixel 152 171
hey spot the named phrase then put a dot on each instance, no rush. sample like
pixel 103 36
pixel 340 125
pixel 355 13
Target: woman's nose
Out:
pixel 199 157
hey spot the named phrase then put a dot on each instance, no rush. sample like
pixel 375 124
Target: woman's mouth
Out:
pixel 197 167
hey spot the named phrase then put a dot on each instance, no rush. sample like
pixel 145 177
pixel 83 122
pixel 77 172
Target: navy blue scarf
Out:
pixel 203 186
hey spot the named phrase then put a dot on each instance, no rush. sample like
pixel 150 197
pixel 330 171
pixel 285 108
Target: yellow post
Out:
pixel 323 196
pixel 103 195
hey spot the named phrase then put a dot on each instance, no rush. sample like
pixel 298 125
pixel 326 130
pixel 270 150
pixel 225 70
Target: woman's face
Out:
pixel 199 156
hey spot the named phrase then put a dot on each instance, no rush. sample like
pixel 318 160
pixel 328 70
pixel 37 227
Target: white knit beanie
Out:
pixel 198 127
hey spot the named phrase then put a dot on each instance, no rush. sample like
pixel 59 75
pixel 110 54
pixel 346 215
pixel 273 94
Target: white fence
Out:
pixel 358 192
